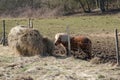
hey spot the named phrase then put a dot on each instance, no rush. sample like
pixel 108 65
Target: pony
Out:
pixel 77 43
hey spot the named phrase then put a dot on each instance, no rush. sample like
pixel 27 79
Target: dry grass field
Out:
pixel 52 68
pixel 100 29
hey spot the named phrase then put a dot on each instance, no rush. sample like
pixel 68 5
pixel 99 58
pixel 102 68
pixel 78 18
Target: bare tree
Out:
pixel 88 5
pixel 102 5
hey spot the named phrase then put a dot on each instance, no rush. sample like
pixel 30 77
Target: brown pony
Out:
pixel 77 43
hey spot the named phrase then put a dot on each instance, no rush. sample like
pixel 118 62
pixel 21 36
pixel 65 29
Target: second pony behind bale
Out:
pixel 48 46
pixel 25 41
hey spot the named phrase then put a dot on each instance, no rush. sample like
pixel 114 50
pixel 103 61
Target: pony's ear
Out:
pixel 64 38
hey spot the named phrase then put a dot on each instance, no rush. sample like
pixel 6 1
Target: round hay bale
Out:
pixel 48 46
pixel 25 41
pixel 60 50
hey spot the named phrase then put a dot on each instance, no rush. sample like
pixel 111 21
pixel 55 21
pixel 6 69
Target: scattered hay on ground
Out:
pixel 24 78
pixel 79 55
pixel 60 50
pixel 95 60
pixel 119 34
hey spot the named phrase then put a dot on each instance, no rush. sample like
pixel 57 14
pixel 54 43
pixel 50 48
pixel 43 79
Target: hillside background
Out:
pixel 46 8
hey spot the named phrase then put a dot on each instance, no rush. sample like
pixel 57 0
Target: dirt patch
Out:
pixel 104 47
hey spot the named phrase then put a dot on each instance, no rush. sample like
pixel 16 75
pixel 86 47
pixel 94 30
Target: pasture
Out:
pixel 100 29
pixel 78 24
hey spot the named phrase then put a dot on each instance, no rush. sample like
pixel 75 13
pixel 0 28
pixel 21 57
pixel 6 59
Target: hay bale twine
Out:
pixel 60 51
pixel 25 41
pixel 48 46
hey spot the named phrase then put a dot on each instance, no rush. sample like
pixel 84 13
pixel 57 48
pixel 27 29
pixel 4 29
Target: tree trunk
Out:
pixel 102 5
pixel 82 5
pixel 88 5
pixel 107 2
pixel 118 3
pixel 32 4
pixel 97 4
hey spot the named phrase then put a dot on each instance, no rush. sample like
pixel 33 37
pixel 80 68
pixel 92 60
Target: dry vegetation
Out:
pixel 63 68
pixel 102 67
pixel 48 68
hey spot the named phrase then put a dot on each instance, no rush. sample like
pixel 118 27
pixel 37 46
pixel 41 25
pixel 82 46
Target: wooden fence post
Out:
pixel 17 22
pixel 3 33
pixel 69 45
pixel 30 23
pixel 117 46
